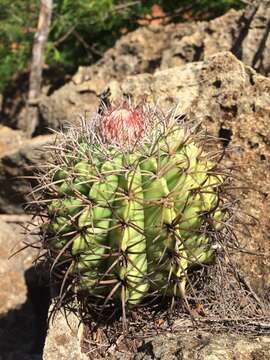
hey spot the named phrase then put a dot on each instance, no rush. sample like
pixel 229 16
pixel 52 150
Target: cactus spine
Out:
pixel 133 203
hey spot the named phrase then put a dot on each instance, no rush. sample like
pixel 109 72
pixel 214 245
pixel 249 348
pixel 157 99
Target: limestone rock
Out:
pixel 63 339
pixel 13 290
pixel 66 105
pixel 63 342
pixel 208 39
pixel 23 301
pixel 202 346
pixel 244 33
pixel 18 160
pixel 149 49
pixel 137 52
pixel 10 139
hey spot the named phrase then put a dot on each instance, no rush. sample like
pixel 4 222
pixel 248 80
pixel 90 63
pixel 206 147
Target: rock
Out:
pixel 66 105
pixel 23 300
pixel 10 139
pixel 28 120
pixel 63 340
pixel 136 52
pixel 154 48
pixel 208 39
pixel 18 160
pixel 201 346
pixel 244 33
pixel 13 287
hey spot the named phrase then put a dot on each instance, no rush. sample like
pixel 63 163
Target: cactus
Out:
pixel 132 203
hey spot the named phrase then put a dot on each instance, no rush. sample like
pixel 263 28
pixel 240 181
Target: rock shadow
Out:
pixel 23 330
pixel 244 26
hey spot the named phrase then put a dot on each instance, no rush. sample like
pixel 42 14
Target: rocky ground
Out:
pixel 216 72
pixel 175 345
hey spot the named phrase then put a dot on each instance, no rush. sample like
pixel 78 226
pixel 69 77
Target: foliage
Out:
pixel 17 25
pixel 81 30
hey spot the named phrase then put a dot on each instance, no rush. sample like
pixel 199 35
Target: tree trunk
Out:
pixel 28 121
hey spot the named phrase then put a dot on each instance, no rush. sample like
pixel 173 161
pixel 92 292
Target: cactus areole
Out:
pixel 122 124
pixel 132 204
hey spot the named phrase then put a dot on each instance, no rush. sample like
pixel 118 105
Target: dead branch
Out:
pixel 40 41
pixel 29 121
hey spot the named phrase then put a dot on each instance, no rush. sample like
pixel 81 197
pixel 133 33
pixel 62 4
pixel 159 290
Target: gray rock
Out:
pixel 63 339
pixel 244 33
pixel 10 140
pixel 63 342
pixel 202 346
pixel 23 301
pixel 13 287
pixel 135 53
pixel 19 160
pixel 149 49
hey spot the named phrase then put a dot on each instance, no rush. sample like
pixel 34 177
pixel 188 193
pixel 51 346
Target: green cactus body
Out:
pixel 135 217
pixel 129 235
